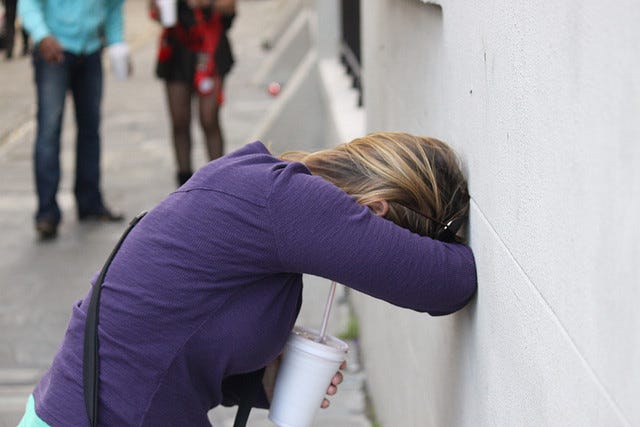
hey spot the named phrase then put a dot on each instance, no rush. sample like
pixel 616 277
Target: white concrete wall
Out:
pixel 542 101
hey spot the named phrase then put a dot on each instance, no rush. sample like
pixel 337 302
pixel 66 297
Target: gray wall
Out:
pixel 541 100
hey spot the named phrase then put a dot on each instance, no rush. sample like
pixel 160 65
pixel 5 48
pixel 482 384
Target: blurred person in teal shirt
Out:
pixel 68 39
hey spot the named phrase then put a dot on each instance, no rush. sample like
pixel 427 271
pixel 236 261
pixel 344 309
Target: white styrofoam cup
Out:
pixel 304 377
pixel 119 58
pixel 168 12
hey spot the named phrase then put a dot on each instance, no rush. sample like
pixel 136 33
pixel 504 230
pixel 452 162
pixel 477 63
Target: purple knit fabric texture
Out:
pixel 208 286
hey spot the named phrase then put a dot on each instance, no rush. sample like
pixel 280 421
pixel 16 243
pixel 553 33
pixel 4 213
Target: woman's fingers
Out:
pixel 333 387
pixel 337 378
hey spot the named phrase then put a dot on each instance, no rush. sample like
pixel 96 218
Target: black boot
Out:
pixel 183 177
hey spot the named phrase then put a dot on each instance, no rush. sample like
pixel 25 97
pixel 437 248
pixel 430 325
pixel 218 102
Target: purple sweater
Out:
pixel 208 286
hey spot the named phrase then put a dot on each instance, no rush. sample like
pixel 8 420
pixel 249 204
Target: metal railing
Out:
pixel 350 43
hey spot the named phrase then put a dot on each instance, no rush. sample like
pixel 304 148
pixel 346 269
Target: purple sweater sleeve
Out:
pixel 321 230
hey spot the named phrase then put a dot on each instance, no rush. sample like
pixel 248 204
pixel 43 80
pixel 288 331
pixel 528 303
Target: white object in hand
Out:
pixel 119 57
pixel 304 377
pixel 168 12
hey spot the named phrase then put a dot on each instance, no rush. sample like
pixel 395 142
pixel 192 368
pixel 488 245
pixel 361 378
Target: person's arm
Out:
pixel 31 13
pixel 114 22
pixel 154 13
pixel 321 230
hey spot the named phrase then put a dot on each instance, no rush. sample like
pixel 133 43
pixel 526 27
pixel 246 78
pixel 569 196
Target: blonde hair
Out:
pixel 419 177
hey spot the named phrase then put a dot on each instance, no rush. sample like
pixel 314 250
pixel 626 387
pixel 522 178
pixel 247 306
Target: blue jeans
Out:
pixel 82 75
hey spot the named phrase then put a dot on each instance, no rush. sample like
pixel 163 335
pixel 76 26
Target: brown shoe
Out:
pixel 46 229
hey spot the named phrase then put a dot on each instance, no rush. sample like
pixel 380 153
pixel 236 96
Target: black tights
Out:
pixel 10 18
pixel 179 99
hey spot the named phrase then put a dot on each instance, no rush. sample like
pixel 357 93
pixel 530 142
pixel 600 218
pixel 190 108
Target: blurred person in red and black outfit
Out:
pixel 193 58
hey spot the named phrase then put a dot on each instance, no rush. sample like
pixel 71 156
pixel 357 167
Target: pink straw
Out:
pixel 327 310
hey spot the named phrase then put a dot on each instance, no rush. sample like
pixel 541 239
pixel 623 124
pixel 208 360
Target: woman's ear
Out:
pixel 379 207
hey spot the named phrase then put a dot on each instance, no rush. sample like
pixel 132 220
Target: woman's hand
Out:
pixel 154 12
pixel 333 387
pixel 271 372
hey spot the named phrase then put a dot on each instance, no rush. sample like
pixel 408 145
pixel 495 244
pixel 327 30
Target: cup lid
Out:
pixel 309 337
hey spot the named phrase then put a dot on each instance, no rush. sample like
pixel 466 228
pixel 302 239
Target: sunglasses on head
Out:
pixel 448 230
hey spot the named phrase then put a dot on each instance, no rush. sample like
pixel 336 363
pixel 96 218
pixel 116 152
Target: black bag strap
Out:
pixel 242 416
pixel 90 374
pixel 249 393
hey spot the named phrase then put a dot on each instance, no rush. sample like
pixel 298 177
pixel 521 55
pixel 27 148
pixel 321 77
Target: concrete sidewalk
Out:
pixel 39 282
